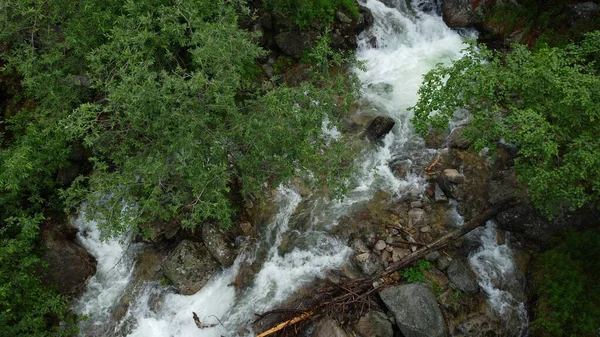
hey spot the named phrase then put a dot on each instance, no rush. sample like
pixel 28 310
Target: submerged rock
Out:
pixel 189 266
pixel 416 310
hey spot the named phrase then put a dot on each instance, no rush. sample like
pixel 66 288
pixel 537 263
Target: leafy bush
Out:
pixel 27 308
pixel 163 96
pixel 544 102
pixel 566 283
pixel 415 274
pixel 304 12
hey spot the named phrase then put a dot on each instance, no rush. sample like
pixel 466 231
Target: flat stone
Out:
pixel 399 253
pixel 454 176
pixel 380 245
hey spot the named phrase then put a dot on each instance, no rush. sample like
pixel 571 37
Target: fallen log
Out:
pixel 285 324
pixel 478 221
pixel 358 292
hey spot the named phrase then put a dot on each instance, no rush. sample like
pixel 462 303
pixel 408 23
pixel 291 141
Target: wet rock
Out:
pixel 443 263
pixel 368 263
pixel 416 217
pixel 218 245
pixel 70 265
pixel 433 256
pixel 189 266
pixel 415 309
pixel 461 275
pixel 439 195
pixel 480 325
pixel 379 127
pixel 375 324
pixel 400 168
pixel 359 246
pixel 456 140
pixel 329 328
pixel 343 18
pixel 381 88
pixel 527 221
pixel 461 13
pixel 582 12
pixel 453 176
pixel 435 138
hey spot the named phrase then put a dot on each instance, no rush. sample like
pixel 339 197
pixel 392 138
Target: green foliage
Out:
pixel 545 102
pixel 304 12
pixel 26 306
pixel 164 97
pixel 566 283
pixel 415 274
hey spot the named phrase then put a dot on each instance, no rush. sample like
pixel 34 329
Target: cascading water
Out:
pixel 409 42
pixel 495 269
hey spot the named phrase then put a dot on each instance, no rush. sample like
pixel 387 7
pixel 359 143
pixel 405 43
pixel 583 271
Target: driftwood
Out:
pixel 355 295
pixel 199 324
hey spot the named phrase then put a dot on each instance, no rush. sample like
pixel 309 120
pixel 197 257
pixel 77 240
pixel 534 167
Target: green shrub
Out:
pixel 415 274
pixel 304 12
pixel 566 283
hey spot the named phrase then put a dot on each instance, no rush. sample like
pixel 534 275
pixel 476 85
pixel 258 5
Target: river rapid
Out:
pixel 402 45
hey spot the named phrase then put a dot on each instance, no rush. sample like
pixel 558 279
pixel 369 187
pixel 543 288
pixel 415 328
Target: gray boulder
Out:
pixel 416 310
pixel 189 266
pixel 218 245
pixel 70 265
pixel 460 274
pixel 329 328
pixel 375 324
pixel 460 13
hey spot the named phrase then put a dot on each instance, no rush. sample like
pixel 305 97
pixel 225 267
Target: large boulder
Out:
pixel 189 266
pixel 375 324
pixel 329 328
pixel 294 42
pixel 70 265
pixel 462 13
pixel 416 310
pixel 379 127
pixel 461 275
pixel 218 245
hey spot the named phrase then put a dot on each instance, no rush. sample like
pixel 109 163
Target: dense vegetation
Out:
pixel 305 12
pixel 165 109
pixel 546 102
pixel 566 282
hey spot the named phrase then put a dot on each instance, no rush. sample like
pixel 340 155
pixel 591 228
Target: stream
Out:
pixel 409 42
